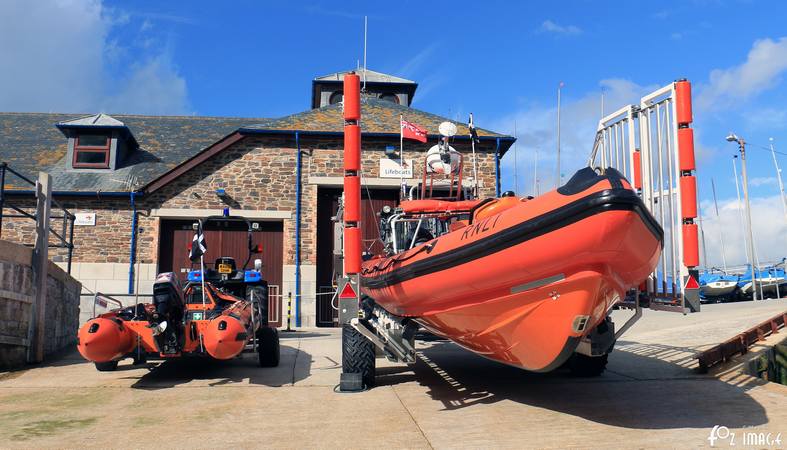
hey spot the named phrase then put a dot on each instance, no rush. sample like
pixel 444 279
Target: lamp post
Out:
pixel 742 147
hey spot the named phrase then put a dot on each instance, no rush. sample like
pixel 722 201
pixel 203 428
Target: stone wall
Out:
pixel 16 299
pixel 257 174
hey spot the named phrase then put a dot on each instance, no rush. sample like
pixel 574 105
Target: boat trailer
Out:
pixel 651 144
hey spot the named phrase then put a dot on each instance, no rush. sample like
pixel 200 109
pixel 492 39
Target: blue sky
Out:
pixel 500 60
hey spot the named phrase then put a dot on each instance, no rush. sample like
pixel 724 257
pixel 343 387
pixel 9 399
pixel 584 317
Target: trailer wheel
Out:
pixel 108 366
pixel 268 347
pixel 358 355
pixel 587 366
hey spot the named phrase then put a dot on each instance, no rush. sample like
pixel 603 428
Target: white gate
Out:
pixel 652 144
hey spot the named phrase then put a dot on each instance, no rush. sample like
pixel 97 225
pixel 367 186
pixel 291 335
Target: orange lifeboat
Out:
pixel 218 313
pixel 105 339
pixel 226 335
pixel 523 282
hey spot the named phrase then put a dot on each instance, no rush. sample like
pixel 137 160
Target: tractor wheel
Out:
pixel 268 346
pixel 108 366
pixel 358 355
pixel 587 366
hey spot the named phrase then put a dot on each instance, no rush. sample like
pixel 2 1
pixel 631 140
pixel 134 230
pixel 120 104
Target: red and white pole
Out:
pixel 688 180
pixel 352 174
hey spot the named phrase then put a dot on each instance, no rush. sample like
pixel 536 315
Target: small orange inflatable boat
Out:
pixel 180 321
pixel 520 281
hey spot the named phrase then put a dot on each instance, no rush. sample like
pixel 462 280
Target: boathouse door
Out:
pixel 372 201
pixel 227 239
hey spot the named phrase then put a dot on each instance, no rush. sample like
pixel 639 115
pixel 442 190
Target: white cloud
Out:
pixel 537 124
pixel 549 26
pixel 59 57
pixel 768 223
pixel 411 67
pixel 762 70
pixel 763 181
pixel 154 87
pixel 766 118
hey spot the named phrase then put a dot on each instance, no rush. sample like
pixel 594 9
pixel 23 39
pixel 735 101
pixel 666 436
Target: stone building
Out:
pixel 166 171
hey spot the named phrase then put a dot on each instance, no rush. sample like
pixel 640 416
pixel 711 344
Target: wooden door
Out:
pixel 227 239
pixel 372 201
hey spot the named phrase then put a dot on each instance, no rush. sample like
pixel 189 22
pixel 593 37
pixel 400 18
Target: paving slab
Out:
pixel 650 397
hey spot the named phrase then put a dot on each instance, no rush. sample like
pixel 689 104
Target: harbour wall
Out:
pixel 16 306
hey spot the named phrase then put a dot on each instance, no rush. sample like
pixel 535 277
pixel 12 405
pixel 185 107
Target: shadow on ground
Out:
pixel 294 334
pixel 210 372
pixel 625 396
pixel 65 357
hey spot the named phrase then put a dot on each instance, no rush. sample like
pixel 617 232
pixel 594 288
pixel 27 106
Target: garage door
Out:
pixel 372 201
pixel 226 239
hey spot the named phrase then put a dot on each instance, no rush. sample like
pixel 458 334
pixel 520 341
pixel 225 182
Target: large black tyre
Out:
pixel 587 366
pixel 108 366
pixel 268 348
pixel 358 355
pixel 261 296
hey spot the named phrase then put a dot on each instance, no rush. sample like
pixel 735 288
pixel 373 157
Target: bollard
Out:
pixel 289 310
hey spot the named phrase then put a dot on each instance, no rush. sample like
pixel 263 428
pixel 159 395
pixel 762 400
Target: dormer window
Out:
pixel 336 97
pixel 388 97
pixel 92 151
pixel 97 142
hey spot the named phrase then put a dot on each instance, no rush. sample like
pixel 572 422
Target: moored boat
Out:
pixel 768 281
pixel 717 285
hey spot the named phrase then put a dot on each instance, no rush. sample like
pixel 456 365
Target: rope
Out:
pixel 399 258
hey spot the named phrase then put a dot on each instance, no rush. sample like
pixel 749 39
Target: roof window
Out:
pixel 91 151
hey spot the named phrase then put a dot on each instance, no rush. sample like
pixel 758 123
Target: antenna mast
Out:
pixel 557 181
pixel 779 178
pixel 721 231
pixel 516 156
pixel 365 23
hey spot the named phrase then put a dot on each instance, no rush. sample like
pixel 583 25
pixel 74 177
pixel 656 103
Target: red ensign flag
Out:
pixel 413 131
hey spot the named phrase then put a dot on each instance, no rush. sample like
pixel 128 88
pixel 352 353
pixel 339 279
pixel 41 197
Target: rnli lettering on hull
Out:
pixel 480 227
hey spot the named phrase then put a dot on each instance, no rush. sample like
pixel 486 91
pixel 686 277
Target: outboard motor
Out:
pixel 167 320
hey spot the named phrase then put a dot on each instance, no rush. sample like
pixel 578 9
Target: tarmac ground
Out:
pixel 650 397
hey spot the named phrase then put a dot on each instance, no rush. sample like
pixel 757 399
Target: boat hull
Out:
pixel 718 288
pixel 537 285
pixel 768 286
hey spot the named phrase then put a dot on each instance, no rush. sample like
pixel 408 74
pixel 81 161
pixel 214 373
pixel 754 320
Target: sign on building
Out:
pixel 85 219
pixel 390 168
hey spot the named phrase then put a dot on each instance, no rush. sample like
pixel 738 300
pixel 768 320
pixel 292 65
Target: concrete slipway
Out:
pixel 649 398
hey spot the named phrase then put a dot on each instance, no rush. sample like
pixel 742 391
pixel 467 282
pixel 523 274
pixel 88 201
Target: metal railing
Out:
pixel 103 301
pixel 642 142
pixel 274 303
pixel 739 345
pixel 65 236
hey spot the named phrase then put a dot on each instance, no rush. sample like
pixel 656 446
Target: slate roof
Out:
pixel 30 142
pixel 377 116
pixel 94 120
pixel 98 121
